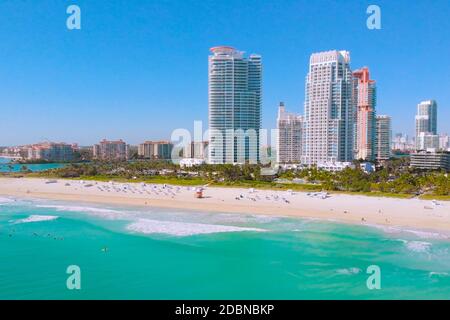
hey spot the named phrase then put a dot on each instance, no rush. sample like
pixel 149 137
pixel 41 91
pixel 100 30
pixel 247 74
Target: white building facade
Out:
pixel 383 138
pixel 289 136
pixel 329 116
pixel 426 124
pixel 235 93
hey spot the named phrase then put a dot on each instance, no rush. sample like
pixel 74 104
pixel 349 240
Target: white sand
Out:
pixel 414 213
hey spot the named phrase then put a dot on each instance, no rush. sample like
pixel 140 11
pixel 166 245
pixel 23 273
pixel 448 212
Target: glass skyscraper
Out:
pixel 426 118
pixel 426 125
pixel 383 138
pixel 235 84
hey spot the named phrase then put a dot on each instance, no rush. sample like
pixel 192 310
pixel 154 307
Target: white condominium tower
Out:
pixel 426 118
pixel 329 109
pixel 235 83
pixel 426 124
pixel 289 139
pixel 383 137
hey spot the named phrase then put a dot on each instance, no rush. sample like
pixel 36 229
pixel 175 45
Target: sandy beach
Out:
pixel 405 213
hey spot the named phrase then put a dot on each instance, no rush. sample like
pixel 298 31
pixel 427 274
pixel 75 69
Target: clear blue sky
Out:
pixel 138 68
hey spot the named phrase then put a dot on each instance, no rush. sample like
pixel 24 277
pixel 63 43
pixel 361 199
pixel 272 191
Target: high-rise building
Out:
pixel 444 142
pixel 383 138
pixel 426 123
pixel 195 150
pixel 50 151
pixel 365 101
pixel 111 150
pixel 289 139
pixel 425 141
pixel 155 150
pixel 403 143
pixel 329 109
pixel 235 83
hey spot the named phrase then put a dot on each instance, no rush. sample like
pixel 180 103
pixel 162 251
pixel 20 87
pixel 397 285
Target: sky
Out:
pixel 137 69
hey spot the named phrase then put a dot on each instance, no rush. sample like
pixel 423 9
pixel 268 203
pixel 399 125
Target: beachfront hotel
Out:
pixel 289 136
pixel 155 150
pixel 329 109
pixel 51 151
pixel 234 103
pixel 365 100
pixel 111 150
pixel 383 138
pixel 426 125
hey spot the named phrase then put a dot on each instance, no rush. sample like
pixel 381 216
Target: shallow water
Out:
pixel 4 162
pixel 173 254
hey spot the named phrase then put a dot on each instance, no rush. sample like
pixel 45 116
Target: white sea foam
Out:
pixel 5 200
pixel 427 234
pixel 35 218
pixel 148 226
pixel 103 213
pixel 418 233
pixel 348 271
pixel 418 246
pixel 433 274
pixel 242 218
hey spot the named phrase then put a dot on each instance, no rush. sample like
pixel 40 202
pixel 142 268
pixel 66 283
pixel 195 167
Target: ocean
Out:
pixel 142 253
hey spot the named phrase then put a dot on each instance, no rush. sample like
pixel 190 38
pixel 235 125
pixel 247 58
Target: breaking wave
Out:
pixel 103 213
pixel 148 226
pixel 35 218
pixel 418 246
pixel 348 271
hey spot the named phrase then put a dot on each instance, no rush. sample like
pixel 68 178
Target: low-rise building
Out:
pixel 431 160
pixel 191 162
pixel 367 167
pixel 334 166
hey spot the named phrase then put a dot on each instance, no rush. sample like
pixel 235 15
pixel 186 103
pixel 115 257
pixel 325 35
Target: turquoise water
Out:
pixel 33 167
pixel 170 254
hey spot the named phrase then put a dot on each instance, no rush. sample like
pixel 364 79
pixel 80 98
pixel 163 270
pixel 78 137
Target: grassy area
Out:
pixel 434 197
pixel 265 185
pixel 377 194
pixel 154 179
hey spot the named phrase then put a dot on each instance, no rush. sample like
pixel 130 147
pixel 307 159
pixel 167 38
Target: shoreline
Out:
pixel 351 209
